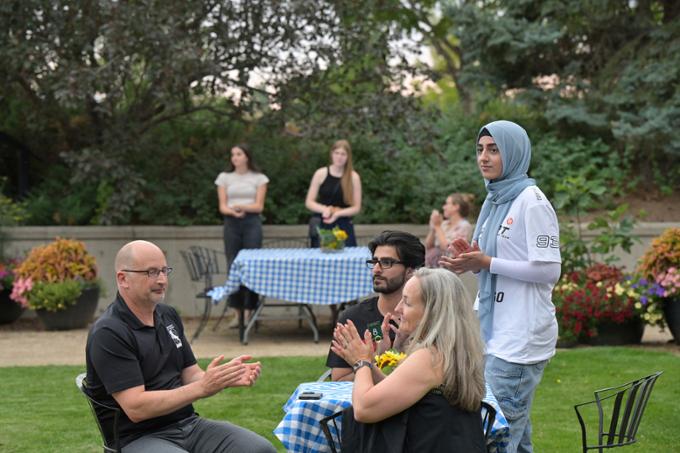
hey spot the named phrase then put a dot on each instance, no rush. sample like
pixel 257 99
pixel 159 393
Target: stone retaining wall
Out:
pixel 103 242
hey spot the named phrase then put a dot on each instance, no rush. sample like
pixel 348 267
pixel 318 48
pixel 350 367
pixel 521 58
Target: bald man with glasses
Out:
pixel 139 360
pixel 395 256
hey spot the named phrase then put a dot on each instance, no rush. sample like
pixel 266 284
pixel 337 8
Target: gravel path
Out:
pixel 24 343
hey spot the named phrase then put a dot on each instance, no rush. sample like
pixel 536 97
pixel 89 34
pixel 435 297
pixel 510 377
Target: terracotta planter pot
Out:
pixel 612 334
pixel 76 316
pixel 10 311
pixel 671 313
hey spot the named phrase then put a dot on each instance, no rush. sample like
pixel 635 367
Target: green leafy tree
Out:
pixel 89 82
pixel 604 69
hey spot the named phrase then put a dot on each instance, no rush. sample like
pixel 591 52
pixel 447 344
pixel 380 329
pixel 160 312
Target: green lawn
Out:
pixel 41 410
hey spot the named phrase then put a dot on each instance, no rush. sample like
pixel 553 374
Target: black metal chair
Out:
pixel 488 417
pixel 202 263
pixel 108 423
pixel 332 433
pixel 619 411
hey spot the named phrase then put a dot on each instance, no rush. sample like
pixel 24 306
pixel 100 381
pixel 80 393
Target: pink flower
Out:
pixel 19 290
pixel 670 281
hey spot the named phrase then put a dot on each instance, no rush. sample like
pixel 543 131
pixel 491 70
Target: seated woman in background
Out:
pixel 451 224
pixel 431 401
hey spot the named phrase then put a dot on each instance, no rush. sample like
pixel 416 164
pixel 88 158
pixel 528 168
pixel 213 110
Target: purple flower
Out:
pixel 644 300
pixel 643 282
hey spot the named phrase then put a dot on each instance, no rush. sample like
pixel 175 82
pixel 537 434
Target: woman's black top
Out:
pixel 430 425
pixel 330 191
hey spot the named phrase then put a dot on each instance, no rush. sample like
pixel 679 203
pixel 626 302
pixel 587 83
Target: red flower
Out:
pixel 587 298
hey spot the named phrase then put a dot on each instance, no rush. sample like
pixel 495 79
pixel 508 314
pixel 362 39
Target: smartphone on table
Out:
pixel 310 396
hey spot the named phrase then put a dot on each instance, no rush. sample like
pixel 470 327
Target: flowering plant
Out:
pixel 598 294
pixel 669 281
pixel 52 276
pixel 661 261
pixel 388 360
pixel 648 296
pixel 332 239
pixel 7 273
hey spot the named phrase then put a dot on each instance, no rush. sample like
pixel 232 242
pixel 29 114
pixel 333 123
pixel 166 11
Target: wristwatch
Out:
pixel 361 363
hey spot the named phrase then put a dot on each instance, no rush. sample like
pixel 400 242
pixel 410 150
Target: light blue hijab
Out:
pixel 515 148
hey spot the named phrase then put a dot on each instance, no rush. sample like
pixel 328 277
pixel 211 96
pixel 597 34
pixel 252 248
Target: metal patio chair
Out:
pixel 108 423
pixel 331 431
pixel 488 417
pixel 326 376
pixel 202 263
pixel 619 411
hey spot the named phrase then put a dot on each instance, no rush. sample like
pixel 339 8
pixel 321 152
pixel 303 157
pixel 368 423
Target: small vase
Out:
pixel 671 313
pixel 10 311
pixel 76 316
pixel 612 334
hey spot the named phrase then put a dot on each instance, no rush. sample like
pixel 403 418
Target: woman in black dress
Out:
pixel 334 195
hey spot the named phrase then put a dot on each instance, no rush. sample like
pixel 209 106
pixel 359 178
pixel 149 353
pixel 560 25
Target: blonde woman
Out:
pixel 431 401
pixel 334 194
pixel 447 226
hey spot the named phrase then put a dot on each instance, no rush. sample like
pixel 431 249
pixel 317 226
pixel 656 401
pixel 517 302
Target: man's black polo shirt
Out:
pixel 122 353
pixel 364 315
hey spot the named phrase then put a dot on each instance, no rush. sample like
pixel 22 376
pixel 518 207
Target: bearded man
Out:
pixel 396 255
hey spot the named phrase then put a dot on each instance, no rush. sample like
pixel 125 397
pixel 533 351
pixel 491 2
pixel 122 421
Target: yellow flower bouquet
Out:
pixel 332 240
pixel 388 360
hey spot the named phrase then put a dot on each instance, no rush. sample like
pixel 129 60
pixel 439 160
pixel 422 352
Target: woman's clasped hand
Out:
pixel 465 257
pixel 348 344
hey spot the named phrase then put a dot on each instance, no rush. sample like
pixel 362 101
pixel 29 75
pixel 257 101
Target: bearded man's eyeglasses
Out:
pixel 385 263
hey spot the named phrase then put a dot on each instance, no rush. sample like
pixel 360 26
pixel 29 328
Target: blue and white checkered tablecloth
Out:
pixel 306 276
pixel 300 430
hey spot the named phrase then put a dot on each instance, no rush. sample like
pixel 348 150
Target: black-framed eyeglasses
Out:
pixel 151 273
pixel 385 263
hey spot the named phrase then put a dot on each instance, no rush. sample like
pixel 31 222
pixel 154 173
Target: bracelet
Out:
pixel 360 364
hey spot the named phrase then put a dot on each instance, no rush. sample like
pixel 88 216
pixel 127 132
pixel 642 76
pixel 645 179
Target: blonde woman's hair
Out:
pixel 346 180
pixel 450 326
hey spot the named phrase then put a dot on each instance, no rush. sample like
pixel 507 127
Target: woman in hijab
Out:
pixel 515 253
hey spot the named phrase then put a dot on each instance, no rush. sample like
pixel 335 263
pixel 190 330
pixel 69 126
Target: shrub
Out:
pixel 54 296
pixel 61 260
pixel 52 276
